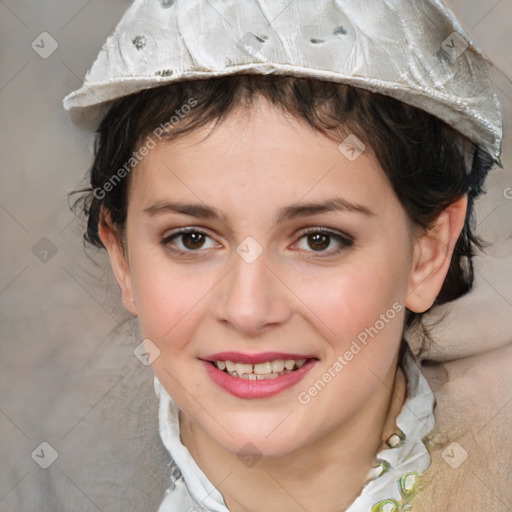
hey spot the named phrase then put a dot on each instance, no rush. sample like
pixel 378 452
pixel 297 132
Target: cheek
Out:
pixel 168 299
pixel 345 301
pixel 169 311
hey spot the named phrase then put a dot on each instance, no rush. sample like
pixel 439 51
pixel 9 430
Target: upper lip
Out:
pixel 262 357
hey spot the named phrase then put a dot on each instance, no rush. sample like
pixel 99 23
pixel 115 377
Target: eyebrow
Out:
pixel 336 204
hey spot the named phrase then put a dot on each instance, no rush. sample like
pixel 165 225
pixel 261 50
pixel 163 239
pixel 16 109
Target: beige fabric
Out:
pixel 475 411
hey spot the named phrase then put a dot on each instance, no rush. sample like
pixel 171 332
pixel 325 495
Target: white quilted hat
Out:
pixel 412 50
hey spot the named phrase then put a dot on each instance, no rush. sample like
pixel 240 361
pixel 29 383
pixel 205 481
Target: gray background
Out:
pixel 67 371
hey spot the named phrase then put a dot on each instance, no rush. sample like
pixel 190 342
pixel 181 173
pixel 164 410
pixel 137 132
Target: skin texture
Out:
pixel 292 299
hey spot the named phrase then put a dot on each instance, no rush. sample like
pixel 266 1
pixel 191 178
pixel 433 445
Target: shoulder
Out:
pixel 471 446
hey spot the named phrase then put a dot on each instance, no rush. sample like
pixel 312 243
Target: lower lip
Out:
pixel 244 388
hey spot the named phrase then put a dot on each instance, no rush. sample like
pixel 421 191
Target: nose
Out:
pixel 252 298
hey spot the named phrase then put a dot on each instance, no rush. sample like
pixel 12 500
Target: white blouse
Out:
pixel 390 487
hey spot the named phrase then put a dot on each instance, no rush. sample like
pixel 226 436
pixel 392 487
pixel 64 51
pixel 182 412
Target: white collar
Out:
pixel 388 491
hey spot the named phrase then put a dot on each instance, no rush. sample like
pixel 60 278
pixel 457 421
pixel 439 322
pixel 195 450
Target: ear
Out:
pixel 433 249
pixel 118 259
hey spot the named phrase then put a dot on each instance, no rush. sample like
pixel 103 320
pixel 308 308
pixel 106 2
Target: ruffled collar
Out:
pixel 390 487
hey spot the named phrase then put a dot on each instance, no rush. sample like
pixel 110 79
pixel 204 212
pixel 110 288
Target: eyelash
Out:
pixel 344 240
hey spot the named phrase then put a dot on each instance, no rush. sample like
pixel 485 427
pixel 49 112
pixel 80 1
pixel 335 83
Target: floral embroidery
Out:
pixel 164 72
pixel 409 486
pixel 139 42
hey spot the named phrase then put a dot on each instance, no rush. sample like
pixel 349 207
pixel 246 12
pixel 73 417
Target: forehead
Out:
pixel 261 153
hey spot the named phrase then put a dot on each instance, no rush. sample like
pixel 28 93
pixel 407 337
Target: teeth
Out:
pixel 262 368
pixel 254 376
pixel 278 366
pixel 243 368
pixel 260 371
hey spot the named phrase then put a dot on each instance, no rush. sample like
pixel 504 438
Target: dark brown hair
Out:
pixel 420 154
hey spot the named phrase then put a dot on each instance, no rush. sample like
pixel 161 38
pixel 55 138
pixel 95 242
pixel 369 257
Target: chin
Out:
pixel 254 440
pixel 277 447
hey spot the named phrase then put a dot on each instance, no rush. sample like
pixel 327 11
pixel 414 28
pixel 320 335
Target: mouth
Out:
pixel 260 371
pixel 257 375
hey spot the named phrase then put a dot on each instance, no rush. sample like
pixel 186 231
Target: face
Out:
pixel 264 245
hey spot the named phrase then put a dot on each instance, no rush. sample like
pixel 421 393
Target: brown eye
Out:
pixel 324 241
pixel 318 241
pixel 188 240
pixel 193 240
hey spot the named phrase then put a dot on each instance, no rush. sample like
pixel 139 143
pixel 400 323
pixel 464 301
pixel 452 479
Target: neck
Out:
pixel 324 476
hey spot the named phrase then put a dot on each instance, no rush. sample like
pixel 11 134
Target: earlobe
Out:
pixel 118 259
pixel 433 249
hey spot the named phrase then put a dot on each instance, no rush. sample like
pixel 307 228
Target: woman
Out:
pixel 281 199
